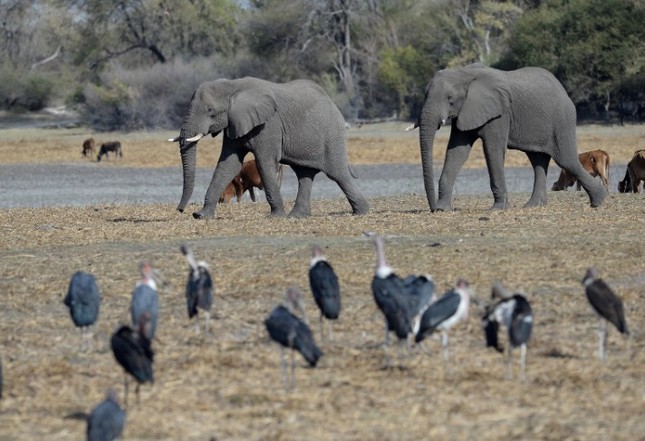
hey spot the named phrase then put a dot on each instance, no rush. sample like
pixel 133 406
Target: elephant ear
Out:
pixel 487 98
pixel 249 108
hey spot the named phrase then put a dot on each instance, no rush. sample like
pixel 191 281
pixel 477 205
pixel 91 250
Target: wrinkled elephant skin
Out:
pixel 294 123
pixel 526 109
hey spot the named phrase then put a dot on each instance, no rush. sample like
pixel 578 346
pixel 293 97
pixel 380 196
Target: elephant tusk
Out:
pixel 443 122
pixel 195 138
pixel 174 139
pixel 411 128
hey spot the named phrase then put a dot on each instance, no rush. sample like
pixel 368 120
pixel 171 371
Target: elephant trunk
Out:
pixel 188 162
pixel 426 138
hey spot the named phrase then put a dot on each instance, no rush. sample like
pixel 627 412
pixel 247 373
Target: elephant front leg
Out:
pixel 540 163
pixel 457 152
pixel 302 207
pixel 229 165
pixel 268 171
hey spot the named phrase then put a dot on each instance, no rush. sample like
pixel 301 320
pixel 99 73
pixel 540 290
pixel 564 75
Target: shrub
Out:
pixel 155 97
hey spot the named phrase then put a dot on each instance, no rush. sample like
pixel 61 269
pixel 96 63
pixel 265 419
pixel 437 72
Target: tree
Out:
pixel 594 47
pixel 144 32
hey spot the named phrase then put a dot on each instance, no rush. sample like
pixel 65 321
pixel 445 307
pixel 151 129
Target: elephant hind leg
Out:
pixel 354 195
pixel 540 163
pixel 305 175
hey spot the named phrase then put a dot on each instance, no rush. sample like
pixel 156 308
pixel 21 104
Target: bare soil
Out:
pixel 227 385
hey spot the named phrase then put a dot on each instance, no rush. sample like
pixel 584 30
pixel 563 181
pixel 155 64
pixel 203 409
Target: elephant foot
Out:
pixel 535 203
pixel 204 214
pixel 443 206
pixel 278 212
pixel 299 213
pixel 360 209
pixel 597 199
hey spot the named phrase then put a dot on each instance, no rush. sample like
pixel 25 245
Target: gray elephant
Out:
pixel 295 123
pixel 525 109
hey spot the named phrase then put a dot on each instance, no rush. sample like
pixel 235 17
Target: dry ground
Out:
pixel 227 385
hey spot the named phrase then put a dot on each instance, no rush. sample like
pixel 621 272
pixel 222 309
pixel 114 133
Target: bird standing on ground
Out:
pixel 145 300
pixel 608 306
pixel 107 420
pixel 324 287
pixel 443 314
pixel 199 288
pixel 402 301
pixel 514 312
pixel 289 331
pixel 83 299
pixel 133 351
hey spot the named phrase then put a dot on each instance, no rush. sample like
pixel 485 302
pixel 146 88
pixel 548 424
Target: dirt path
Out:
pixel 40 185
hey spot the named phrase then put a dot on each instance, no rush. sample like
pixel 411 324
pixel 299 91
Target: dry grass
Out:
pixel 369 144
pixel 228 386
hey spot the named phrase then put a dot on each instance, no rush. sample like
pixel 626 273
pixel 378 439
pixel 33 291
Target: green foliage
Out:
pixel 24 91
pixel 127 63
pixel 404 71
pixel 593 46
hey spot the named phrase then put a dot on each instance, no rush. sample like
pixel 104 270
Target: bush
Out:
pixel 155 97
pixel 20 91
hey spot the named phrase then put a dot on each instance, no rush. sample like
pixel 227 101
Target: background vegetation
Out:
pixel 130 64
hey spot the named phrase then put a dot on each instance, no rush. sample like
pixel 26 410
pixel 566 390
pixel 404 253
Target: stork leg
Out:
pixel 523 362
pixel 331 330
pixel 322 334
pixel 207 322
pixel 197 330
pixel 283 364
pixel 293 370
pixel 386 343
pixel 602 339
pixel 510 362
pixel 125 396
pixel 90 338
pixel 137 392
pixel 399 352
pixel 444 343
pixel 81 345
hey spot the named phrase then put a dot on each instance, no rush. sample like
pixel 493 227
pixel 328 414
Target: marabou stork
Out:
pixel 514 312
pixel 132 350
pixel 402 301
pixel 608 306
pixel 145 300
pixel 324 287
pixel 443 314
pixel 83 299
pixel 107 420
pixel 289 331
pixel 199 288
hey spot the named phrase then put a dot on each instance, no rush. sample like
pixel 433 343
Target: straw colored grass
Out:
pixel 368 144
pixel 227 385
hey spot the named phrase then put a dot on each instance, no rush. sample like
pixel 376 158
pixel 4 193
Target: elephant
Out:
pixel 294 123
pixel 525 109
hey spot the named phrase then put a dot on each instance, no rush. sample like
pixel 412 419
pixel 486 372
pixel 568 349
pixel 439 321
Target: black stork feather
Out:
pixel 285 328
pixel 145 300
pixel 443 314
pixel 133 351
pixel 514 312
pixel 83 300
pixel 402 301
pixel 607 305
pixel 199 288
pixel 324 287
pixel 107 420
